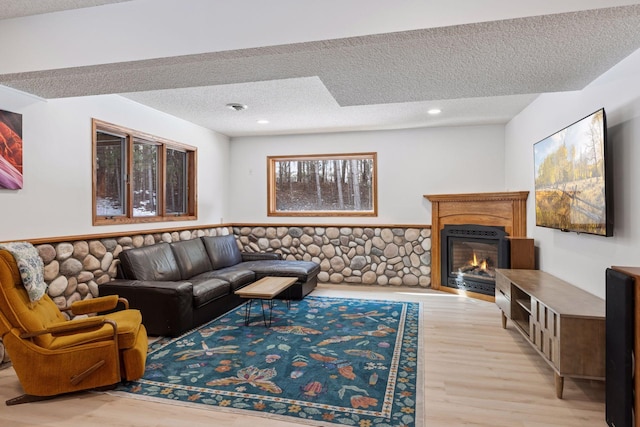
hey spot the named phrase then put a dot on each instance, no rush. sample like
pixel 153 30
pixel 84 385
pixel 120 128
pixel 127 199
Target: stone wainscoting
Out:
pixel 359 255
pixel 373 256
pixel 75 270
pixel 383 256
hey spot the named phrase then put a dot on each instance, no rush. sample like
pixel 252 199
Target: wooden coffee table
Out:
pixel 265 289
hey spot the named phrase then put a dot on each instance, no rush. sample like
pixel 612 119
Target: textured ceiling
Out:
pixel 17 8
pixel 482 73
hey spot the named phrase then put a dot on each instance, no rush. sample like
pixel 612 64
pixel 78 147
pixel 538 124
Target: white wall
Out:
pixel 411 163
pixel 582 259
pixel 56 196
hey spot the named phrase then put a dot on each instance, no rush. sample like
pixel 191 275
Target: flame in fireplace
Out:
pixel 481 265
pixel 475 265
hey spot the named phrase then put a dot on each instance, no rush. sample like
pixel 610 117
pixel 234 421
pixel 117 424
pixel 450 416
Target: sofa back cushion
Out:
pixel 223 251
pixel 155 262
pixel 192 257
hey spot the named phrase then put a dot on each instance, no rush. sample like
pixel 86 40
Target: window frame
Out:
pixel 271 185
pixel 130 137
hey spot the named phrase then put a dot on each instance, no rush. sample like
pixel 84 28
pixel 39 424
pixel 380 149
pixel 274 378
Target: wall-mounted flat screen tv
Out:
pixel 571 182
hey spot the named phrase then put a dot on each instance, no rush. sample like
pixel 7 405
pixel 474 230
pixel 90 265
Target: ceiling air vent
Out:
pixel 236 107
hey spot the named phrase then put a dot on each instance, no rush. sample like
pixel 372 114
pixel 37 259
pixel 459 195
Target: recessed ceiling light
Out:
pixel 434 111
pixel 263 122
pixel 236 107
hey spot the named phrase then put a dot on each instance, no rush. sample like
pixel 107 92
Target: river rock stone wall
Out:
pixel 75 270
pixel 374 256
pixel 358 255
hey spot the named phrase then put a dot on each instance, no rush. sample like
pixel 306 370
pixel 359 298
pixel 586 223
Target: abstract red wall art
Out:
pixel 10 150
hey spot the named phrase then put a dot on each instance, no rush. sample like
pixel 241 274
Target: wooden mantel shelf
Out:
pixel 502 209
pixel 483 197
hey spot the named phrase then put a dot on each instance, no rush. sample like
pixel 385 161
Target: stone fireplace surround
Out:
pixel 503 209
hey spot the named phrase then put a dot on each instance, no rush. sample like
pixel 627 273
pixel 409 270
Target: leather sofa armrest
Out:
pixel 178 286
pixel 137 290
pixel 260 256
pixel 166 306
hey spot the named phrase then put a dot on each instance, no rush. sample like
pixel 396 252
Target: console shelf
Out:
pixel 525 303
pixel 563 323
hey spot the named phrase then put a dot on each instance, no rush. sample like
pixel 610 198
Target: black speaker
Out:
pixel 619 348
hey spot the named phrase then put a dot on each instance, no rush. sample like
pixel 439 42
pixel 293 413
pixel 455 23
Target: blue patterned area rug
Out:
pixel 323 361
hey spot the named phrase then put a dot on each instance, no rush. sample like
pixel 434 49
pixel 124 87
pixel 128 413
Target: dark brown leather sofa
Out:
pixel 178 286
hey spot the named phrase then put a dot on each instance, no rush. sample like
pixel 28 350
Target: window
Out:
pixel 145 178
pixel 322 185
pixel 140 178
pixel 177 165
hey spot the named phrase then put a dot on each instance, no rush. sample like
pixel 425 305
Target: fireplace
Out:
pixel 503 209
pixel 470 254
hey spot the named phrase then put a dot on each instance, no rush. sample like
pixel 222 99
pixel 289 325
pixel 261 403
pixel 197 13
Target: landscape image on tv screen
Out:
pixel 570 177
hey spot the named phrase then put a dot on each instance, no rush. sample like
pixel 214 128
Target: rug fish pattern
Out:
pixel 323 361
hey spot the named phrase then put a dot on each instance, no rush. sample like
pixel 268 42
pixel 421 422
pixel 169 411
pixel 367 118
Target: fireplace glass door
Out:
pixel 470 255
pixel 473 259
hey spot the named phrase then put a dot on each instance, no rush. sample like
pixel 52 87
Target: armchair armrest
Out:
pixel 260 256
pixel 97 305
pixel 75 333
pixel 71 327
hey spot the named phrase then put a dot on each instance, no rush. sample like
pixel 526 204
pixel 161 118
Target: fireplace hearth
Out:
pixel 470 254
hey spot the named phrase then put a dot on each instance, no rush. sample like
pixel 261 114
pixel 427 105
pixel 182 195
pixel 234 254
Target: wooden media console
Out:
pixel 563 323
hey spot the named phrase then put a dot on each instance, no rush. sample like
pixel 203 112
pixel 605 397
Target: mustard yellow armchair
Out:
pixel 52 355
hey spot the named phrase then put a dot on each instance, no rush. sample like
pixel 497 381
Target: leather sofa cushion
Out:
pixel 155 262
pixel 303 270
pixel 236 276
pixel 223 251
pixel 206 290
pixel 191 257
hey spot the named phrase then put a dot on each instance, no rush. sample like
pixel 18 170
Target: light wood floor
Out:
pixel 477 374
